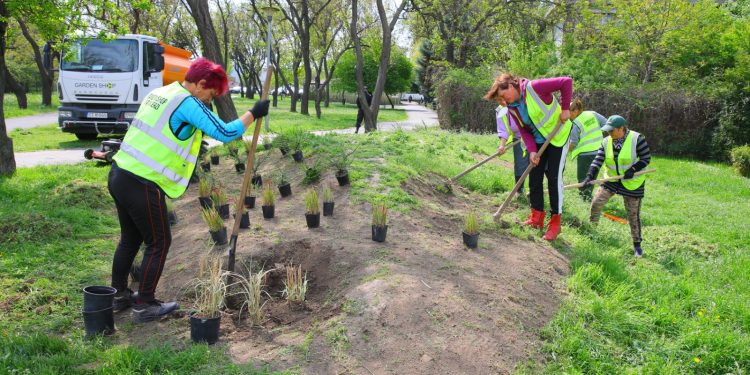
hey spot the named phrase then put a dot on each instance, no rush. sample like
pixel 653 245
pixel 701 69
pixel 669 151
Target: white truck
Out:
pixel 102 83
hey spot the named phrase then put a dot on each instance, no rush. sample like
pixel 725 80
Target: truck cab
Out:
pixel 102 83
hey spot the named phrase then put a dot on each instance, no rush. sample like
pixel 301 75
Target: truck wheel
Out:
pixel 86 136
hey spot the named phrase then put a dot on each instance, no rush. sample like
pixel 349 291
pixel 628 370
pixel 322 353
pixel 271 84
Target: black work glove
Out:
pixel 629 173
pixel 586 182
pixel 260 109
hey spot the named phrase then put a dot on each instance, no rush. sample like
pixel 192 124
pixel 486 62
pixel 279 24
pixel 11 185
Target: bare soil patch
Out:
pixel 418 303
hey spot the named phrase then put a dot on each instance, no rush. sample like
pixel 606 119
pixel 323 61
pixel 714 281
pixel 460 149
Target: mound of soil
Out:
pixel 418 303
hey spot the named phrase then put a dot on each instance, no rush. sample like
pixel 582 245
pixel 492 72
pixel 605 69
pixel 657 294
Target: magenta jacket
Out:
pixel 544 88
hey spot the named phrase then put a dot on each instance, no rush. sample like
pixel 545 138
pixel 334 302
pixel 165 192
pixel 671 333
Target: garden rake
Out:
pixel 240 207
pixel 447 187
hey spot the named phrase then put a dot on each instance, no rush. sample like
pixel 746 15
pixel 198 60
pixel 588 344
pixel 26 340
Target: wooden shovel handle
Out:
pixel 513 192
pixel 608 179
pixel 240 207
pixel 477 165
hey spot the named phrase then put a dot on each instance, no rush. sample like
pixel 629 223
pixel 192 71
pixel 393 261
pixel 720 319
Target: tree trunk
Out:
pixel 46 76
pixel 210 44
pixel 7 160
pixel 13 85
pixel 305 41
pixel 276 87
pixel 390 101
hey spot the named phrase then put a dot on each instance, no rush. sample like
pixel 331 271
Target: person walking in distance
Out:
pixel 156 159
pixel 623 153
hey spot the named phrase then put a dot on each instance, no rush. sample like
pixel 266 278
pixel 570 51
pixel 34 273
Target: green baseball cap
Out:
pixel 614 122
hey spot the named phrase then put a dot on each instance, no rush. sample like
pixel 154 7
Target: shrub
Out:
pixel 312 205
pixel 212 219
pixel 295 284
pixel 204 188
pixel 210 288
pixel 268 198
pixel 461 105
pixel 327 194
pixel 741 160
pixel 380 215
pixel 470 226
pixel 218 196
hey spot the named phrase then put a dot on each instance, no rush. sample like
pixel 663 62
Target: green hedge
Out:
pixel 674 123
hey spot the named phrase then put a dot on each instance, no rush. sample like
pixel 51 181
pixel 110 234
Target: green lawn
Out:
pixel 682 308
pixel 47 137
pixel 336 117
pixel 10 105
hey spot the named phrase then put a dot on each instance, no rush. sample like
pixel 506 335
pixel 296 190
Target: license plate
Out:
pixel 96 115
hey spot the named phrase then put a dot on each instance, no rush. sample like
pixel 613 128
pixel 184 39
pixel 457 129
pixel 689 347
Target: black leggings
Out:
pixel 143 218
pixel 551 164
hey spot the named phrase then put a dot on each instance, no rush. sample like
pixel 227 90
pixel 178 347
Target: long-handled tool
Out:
pixel 513 192
pixel 240 206
pixel 608 179
pixel 447 186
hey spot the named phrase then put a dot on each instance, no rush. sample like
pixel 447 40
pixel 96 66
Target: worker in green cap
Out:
pixel 623 153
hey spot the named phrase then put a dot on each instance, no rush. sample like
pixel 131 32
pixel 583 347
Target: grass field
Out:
pixel 49 137
pixel 682 308
pixel 10 105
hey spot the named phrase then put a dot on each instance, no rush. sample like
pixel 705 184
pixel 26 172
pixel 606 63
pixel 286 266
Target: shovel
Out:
pixel 447 186
pixel 240 206
pixel 607 179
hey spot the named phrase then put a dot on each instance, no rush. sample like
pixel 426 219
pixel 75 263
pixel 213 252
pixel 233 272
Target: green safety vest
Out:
pixel 625 159
pixel 507 124
pixel 546 117
pixel 150 149
pixel 591 134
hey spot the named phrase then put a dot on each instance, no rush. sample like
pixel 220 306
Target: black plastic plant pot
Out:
pixel 206 167
pixel 328 208
pixel 219 236
pixel 205 202
pixel 284 150
pixel 298 156
pixel 471 240
pixel 223 211
pixel 285 190
pixel 342 178
pixel 378 233
pixel 172 217
pixel 249 202
pixel 257 180
pixel 215 160
pixel 204 330
pixel 239 167
pixel 267 146
pixel 268 211
pixel 313 220
pixel 99 322
pixel 245 220
pixel 98 297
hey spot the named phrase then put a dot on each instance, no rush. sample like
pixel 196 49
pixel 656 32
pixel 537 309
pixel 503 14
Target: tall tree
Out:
pixel 387 25
pixel 45 72
pixel 302 14
pixel 210 46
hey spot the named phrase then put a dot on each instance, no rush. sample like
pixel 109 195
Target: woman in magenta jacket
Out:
pixel 537 112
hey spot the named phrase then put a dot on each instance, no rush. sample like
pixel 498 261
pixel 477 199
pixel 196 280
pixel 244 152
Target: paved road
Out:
pixel 30 121
pixel 418 116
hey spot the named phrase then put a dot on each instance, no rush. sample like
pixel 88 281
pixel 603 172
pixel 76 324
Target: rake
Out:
pixel 448 185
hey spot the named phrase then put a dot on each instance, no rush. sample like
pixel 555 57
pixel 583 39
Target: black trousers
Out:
pixel 360 117
pixel 143 219
pixel 551 164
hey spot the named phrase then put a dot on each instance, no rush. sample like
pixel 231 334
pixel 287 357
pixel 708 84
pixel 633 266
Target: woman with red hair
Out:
pixel 156 159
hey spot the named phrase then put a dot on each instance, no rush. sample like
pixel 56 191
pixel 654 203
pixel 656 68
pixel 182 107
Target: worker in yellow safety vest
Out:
pixel 156 160
pixel 585 139
pixel 623 153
